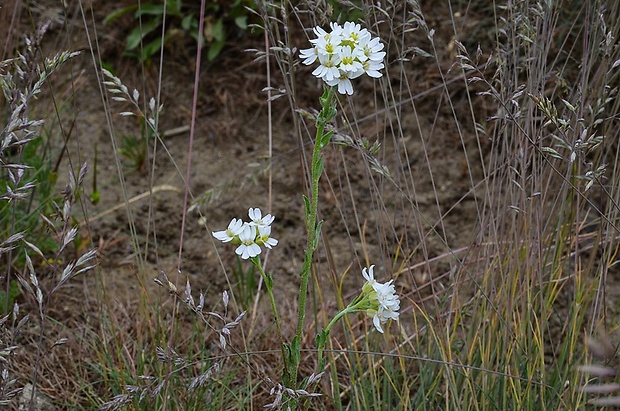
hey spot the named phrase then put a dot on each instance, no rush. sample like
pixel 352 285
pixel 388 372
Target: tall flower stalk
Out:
pixel 344 53
pixel 328 112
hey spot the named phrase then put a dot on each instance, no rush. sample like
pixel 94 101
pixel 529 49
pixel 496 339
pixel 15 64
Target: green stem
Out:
pixel 327 113
pixel 269 285
pixel 323 341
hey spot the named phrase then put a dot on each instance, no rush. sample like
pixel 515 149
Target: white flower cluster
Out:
pixel 384 303
pixel 249 235
pixel 345 53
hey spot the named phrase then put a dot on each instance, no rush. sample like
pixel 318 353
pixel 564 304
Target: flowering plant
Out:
pixel 378 300
pixel 249 235
pixel 345 53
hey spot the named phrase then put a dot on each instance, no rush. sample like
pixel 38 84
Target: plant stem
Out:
pixel 328 112
pixel 321 345
pixel 269 284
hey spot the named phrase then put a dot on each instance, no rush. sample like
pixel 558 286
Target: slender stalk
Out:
pixel 323 341
pixel 328 111
pixel 269 285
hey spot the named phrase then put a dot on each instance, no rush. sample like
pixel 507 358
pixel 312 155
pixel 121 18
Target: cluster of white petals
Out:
pixel 384 303
pixel 249 236
pixel 344 53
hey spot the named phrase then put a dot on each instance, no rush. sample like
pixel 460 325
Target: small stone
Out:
pixel 39 403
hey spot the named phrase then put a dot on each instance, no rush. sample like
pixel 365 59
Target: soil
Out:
pixel 230 163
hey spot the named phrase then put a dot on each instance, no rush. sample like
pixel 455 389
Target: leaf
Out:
pixel 242 22
pixel 150 9
pixel 217 30
pixel 174 7
pixel 321 338
pixel 306 205
pixel 188 22
pixel 317 235
pixel 215 50
pixel 135 37
pixel 151 49
pixel 95 196
pixel 269 282
pixel 319 166
pixel 325 139
pixel 115 15
pixel 295 350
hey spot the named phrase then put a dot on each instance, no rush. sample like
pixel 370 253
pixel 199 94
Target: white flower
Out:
pixel 381 302
pixel 372 68
pixel 263 238
pixel 234 228
pixel 257 218
pixel 368 275
pixel 351 60
pixel 372 50
pixel 388 300
pixel 352 32
pixel 248 247
pixel 345 53
pixel 250 236
pixel 309 55
pixel 343 83
pixel 329 68
pixel 328 44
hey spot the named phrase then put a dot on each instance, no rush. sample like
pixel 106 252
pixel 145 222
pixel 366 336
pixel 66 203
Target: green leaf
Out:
pixel 150 9
pixel 317 235
pixel 135 37
pixel 319 166
pixel 295 351
pixel 174 7
pixel 242 22
pixel 217 31
pixel 325 98
pixel 115 15
pixel 331 112
pixel 325 139
pixel 306 204
pixel 151 48
pixel 215 50
pixel 269 282
pixel 188 22
pixel 321 338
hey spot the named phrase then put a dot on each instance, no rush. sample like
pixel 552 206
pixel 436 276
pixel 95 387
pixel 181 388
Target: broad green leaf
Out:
pixel 137 34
